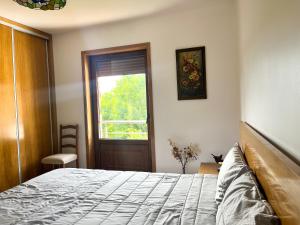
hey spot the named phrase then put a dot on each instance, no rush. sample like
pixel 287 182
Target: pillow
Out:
pixel 233 164
pixel 243 204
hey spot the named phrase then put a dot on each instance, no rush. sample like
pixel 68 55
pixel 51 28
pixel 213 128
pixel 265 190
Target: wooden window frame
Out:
pixel 89 128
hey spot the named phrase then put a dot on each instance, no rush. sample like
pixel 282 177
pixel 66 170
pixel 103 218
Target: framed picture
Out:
pixel 191 73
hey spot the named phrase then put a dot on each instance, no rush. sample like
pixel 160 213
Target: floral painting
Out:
pixel 191 74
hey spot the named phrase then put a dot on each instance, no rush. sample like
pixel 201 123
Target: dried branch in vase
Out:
pixel 185 155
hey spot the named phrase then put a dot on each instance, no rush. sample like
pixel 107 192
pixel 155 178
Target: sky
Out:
pixel 107 83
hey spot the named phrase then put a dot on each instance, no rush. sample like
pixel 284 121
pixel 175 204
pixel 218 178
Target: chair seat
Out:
pixel 59 159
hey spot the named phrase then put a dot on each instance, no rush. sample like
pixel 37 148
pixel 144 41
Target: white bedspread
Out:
pixel 94 197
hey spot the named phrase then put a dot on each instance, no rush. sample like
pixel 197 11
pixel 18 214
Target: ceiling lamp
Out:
pixel 42 4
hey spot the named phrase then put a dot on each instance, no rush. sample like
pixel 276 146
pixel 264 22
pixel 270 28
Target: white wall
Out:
pixel 212 123
pixel 270 69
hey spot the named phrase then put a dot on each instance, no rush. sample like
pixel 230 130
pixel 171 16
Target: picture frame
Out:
pixel 191 73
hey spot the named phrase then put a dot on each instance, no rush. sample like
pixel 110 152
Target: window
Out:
pixel 122 100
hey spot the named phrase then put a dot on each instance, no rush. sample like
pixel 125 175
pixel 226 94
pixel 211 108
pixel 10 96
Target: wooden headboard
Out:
pixel 278 175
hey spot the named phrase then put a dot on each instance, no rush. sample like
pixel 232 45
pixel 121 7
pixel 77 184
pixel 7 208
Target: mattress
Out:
pixel 94 197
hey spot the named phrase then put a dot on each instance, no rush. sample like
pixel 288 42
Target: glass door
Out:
pixel 121 111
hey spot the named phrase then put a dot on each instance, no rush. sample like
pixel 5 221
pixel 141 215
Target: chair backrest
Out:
pixel 69 138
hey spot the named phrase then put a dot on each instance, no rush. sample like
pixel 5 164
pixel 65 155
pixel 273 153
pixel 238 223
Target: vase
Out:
pixel 183 170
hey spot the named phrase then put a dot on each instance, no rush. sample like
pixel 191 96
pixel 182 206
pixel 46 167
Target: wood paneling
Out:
pixel 150 106
pixel 33 107
pixel 278 175
pixel 33 102
pixel 9 176
pixel 117 155
pixel 89 126
pixel 25 28
pixel 53 95
pixel 209 168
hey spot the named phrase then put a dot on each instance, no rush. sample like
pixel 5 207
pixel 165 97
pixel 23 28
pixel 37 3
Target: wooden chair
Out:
pixel 68 141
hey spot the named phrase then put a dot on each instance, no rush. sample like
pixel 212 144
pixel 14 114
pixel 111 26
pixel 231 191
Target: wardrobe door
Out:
pixel 9 176
pixel 33 102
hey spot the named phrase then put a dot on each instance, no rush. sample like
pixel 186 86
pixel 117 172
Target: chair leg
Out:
pixel 77 163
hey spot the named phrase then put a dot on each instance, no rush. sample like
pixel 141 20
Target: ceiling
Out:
pixel 80 13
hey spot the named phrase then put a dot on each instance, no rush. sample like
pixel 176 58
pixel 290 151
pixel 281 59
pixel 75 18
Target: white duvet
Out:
pixel 94 197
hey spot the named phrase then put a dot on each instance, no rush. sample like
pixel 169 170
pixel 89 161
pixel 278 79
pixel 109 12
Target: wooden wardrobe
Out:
pixel 27 110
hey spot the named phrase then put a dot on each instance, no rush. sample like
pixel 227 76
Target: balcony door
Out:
pixel 122 109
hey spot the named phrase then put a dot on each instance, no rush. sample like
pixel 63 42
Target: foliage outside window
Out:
pixel 123 107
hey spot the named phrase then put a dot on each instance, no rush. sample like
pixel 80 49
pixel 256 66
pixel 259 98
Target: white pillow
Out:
pixel 232 166
pixel 243 204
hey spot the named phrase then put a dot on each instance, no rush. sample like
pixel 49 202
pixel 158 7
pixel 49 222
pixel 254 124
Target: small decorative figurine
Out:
pixel 218 158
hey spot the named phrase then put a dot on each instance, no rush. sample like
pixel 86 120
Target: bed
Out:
pixel 81 197
pixel 94 197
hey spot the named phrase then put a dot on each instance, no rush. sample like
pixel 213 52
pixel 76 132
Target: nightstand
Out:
pixel 209 168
